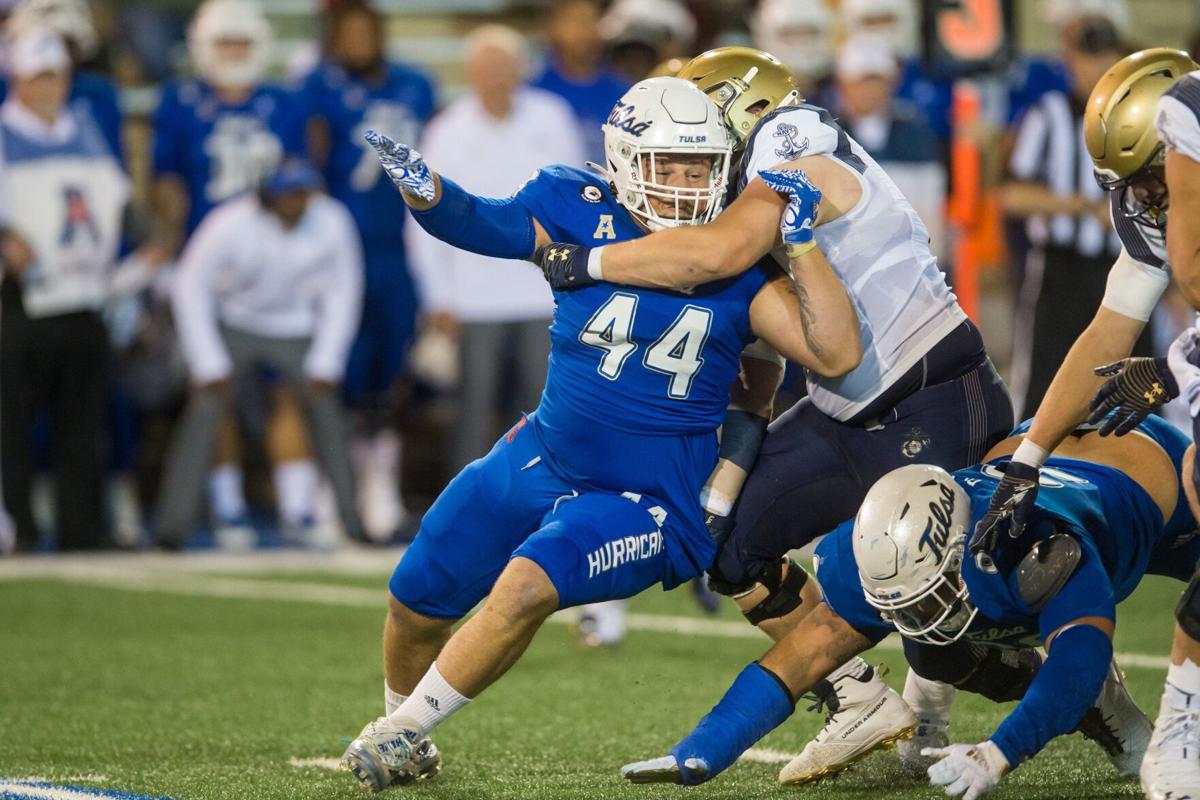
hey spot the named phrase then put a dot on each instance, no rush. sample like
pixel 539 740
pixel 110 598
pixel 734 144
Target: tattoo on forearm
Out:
pixel 808 319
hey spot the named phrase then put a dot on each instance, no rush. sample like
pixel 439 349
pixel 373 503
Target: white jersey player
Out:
pixel 924 387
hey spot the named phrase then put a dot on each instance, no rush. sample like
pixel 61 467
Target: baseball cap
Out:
pixel 865 54
pixel 38 50
pixel 293 175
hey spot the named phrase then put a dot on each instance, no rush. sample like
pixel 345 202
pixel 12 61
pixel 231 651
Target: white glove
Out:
pixel 403 165
pixel 967 769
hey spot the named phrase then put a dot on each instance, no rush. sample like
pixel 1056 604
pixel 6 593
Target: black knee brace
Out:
pixel 997 673
pixel 783 590
pixel 1187 613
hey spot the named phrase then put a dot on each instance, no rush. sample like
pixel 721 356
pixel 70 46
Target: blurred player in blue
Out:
pixel 1109 511
pixel 355 90
pixel 217 135
pixel 595 495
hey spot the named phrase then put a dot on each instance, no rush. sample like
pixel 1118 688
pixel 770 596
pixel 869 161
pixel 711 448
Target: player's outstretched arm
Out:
pixel 760 699
pixel 498 228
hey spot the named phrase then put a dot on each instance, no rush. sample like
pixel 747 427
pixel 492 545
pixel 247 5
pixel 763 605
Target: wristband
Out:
pixel 797 250
pixel 1031 453
pixel 595 272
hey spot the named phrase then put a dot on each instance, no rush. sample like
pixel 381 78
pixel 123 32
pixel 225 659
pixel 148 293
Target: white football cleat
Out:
pixel 864 715
pixel 1116 724
pixel 388 752
pixel 1171 768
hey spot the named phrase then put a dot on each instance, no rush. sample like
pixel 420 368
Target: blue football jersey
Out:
pixel 399 105
pixel 221 150
pixel 639 379
pixel 1116 523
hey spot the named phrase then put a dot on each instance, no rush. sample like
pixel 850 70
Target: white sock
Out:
pixel 1183 685
pixel 610 619
pixel 391 700
pixel 296 490
pixel 431 702
pixel 225 494
pixel 928 698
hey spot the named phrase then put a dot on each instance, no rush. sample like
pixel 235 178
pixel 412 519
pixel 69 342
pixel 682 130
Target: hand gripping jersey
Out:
pixel 639 379
pixel 880 250
pixel 398 105
pixel 221 150
pixel 1120 530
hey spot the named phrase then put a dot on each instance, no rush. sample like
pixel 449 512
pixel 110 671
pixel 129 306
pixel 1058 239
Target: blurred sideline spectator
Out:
pixel 353 91
pixel 889 129
pixel 576 72
pixel 800 34
pixel 643 33
pixel 63 202
pixel 270 280
pixel 489 142
pixel 1067 218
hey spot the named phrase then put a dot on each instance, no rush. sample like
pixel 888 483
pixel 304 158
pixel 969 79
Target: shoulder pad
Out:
pixel 1046 568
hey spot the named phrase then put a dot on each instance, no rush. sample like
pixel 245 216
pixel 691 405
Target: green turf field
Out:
pixel 206 685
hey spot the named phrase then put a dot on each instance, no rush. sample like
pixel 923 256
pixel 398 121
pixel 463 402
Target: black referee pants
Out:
pixel 1062 292
pixel 57 364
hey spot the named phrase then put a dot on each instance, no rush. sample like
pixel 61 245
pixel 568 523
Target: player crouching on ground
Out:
pixel 595 495
pixel 1109 511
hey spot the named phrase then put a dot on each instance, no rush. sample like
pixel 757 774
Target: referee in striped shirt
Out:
pixel 1067 218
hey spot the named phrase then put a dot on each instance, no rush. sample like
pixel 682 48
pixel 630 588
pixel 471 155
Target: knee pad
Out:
pixel 999 674
pixel 1187 613
pixel 783 590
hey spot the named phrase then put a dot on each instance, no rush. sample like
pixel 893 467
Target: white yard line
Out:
pixel 182 576
pixel 761 755
pixel 319 763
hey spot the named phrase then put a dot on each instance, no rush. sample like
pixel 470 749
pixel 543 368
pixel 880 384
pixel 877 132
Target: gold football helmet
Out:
pixel 744 83
pixel 1118 128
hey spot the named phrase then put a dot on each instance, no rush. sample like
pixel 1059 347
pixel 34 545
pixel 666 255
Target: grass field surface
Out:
pixel 208 677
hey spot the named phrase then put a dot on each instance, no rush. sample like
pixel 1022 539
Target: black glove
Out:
pixel 1135 387
pixel 564 265
pixel 1012 501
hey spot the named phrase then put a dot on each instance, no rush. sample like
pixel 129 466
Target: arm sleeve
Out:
pixel 496 228
pixel 1133 288
pixel 1065 687
pixel 193 304
pixel 340 303
pixel 1026 158
pixel 1178 117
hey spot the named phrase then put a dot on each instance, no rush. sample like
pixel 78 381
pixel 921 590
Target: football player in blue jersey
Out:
pixel 1109 511
pixel 925 388
pixel 595 495
pixel 217 135
pixel 355 90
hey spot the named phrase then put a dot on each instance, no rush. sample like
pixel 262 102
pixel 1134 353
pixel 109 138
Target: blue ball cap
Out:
pixel 293 175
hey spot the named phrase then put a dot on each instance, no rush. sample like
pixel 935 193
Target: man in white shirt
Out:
pixel 62 201
pixel 488 142
pixel 274 280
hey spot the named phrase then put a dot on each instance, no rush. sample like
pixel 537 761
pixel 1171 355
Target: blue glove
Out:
pixel 564 265
pixel 804 202
pixel 403 165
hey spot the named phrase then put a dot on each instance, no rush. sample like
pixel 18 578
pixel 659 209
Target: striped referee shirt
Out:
pixel 1050 150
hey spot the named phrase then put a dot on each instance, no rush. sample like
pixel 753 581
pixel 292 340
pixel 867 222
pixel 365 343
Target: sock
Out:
pixel 928 698
pixel 225 491
pixel 296 490
pixel 1183 685
pixel 391 700
pixel 432 701
pixel 755 704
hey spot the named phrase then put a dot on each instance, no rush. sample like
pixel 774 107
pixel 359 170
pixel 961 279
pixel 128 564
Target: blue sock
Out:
pixel 755 705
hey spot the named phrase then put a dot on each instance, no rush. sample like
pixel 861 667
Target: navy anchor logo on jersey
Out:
pixel 791 149
pixel 78 215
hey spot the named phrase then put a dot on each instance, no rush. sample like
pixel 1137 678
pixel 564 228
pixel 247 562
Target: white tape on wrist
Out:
pixel 1031 453
pixel 594 268
pixel 1133 288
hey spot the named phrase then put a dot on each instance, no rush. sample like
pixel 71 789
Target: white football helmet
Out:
pixel 657 119
pixel 894 20
pixel 797 32
pixel 70 19
pixel 229 20
pixel 908 540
